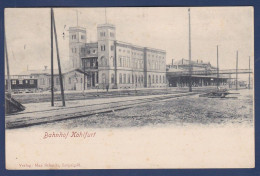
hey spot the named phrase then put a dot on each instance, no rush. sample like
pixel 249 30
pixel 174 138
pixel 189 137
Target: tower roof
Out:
pixel 106 25
pixel 78 28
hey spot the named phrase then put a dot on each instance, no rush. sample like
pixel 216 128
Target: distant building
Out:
pixel 203 74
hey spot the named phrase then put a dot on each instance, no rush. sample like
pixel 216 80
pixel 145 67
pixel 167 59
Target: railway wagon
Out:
pixel 22 85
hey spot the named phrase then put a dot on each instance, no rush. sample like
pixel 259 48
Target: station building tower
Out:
pixel 77 42
pixel 106 35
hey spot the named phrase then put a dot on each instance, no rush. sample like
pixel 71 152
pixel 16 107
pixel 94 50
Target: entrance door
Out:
pixel 88 80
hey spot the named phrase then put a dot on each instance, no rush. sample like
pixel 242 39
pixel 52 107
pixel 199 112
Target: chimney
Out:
pixel 45 67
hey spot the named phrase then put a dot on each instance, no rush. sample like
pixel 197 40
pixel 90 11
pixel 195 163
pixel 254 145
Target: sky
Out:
pixel 231 28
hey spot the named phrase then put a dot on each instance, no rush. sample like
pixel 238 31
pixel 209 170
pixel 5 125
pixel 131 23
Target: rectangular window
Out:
pixel 20 81
pixel 102 34
pixel 73 36
pixel 124 79
pixel 82 37
pixel 82 50
pixel 103 47
pixel 31 81
pixel 13 81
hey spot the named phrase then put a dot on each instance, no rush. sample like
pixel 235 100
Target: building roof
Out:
pixel 139 47
pixel 106 25
pixel 47 71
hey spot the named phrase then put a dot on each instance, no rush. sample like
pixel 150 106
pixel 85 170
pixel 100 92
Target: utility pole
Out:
pixel 58 58
pixel 190 75
pixel 236 72
pixel 7 69
pixel 217 69
pixel 77 18
pixel 84 68
pixel 106 15
pixel 249 75
pixel 52 80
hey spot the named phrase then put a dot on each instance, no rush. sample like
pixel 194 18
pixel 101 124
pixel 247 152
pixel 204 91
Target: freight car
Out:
pixel 23 85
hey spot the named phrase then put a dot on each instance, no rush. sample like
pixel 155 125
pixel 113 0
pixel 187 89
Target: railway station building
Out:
pixel 107 63
pixel 113 63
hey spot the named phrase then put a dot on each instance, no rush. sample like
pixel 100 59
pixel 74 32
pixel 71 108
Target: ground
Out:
pixel 179 111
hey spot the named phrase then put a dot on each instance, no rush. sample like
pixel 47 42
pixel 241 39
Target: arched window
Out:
pixel 120 78
pixel 153 79
pixel 112 78
pixel 103 61
pixel 128 78
pixel 149 80
pixel 103 78
pixel 163 79
pixel 112 60
pixel 124 80
pixel 120 62
pixel 156 79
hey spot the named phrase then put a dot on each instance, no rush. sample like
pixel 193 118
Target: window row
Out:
pixel 103 34
pixel 126 79
pixel 14 82
pixel 156 79
pixel 73 37
pixel 91 51
pixel 154 65
pixel 43 81
pixel 76 80
pixel 156 56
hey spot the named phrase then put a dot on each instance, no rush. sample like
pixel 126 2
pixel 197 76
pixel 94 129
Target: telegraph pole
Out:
pixel 52 80
pixel 249 75
pixel 217 69
pixel 7 69
pixel 84 68
pixel 190 84
pixel 236 71
pixel 106 15
pixel 58 58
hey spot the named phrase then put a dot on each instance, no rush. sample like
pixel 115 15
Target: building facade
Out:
pixel 115 64
pixel 107 63
pixel 203 74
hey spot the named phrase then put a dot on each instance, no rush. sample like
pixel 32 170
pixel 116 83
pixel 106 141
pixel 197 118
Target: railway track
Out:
pixel 40 117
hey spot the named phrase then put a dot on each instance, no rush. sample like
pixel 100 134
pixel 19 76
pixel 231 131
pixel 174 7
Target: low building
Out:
pixel 180 72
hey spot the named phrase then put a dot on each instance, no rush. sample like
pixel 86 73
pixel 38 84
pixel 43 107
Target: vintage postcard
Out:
pixel 129 88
